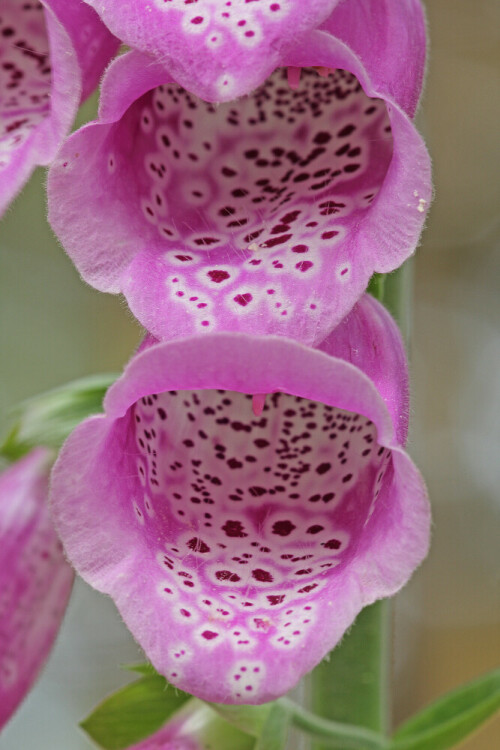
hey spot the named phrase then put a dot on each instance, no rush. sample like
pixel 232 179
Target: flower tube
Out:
pixel 266 215
pixel 196 727
pixel 244 497
pixel 52 54
pixel 35 579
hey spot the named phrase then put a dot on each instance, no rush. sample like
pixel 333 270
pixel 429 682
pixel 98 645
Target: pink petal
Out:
pixel 196 727
pixel 237 548
pixel 52 55
pixel 217 50
pixel 35 579
pixel 390 39
pixel 251 216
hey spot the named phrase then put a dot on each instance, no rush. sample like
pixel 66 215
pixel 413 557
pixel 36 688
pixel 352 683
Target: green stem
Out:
pixel 332 733
pixel 353 685
pixel 397 295
pixel 263 722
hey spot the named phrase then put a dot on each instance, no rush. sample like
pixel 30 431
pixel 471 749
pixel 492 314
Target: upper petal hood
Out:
pixel 217 50
pixel 35 579
pixel 53 54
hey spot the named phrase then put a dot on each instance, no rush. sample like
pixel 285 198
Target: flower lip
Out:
pixel 274 212
pixel 231 532
pixel 200 363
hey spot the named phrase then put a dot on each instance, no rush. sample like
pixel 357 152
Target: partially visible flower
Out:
pixel 35 579
pixel 196 727
pixel 266 215
pixel 52 55
pixel 239 533
pixel 218 50
pixel 389 37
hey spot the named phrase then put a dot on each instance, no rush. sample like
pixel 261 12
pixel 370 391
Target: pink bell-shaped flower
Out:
pixel 243 498
pixel 196 727
pixel 35 579
pixel 265 215
pixel 52 54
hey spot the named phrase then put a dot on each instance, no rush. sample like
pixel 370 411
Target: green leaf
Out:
pixel 451 718
pixel 249 719
pixel 275 729
pixel 48 419
pixel 133 713
pixel 144 668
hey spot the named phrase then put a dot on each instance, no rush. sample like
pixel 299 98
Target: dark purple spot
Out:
pixel 283 528
pixel 347 130
pixel 218 276
pixel 234 529
pixel 262 575
pixel 323 468
pixel 209 635
pixel 261 443
pixel 332 544
pixel 274 599
pixel 243 299
pixel 276 241
pixel 226 575
pixel 257 491
pixel 321 138
pixel 197 545
pixel 304 265
pixel 308 588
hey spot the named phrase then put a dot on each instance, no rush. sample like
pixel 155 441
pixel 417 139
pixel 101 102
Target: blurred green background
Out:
pixel 55 328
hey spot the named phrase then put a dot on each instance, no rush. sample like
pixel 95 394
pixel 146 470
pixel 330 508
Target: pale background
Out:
pixel 53 328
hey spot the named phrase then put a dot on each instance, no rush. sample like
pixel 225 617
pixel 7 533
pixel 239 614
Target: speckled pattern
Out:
pixel 258 194
pixel 251 515
pixel 25 74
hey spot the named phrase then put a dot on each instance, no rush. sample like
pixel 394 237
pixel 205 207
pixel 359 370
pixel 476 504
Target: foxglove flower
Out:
pixel 35 579
pixel 264 215
pixel 197 727
pixel 52 54
pixel 240 534
pixel 214 48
